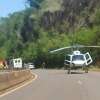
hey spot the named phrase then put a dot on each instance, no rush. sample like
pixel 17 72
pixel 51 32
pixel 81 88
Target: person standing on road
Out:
pixel 43 65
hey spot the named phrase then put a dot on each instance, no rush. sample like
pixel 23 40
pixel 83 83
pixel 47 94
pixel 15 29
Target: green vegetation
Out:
pixel 48 25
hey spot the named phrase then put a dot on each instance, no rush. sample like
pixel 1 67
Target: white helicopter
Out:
pixel 77 59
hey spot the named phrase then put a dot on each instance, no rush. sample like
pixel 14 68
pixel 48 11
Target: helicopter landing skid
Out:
pixel 70 67
pixel 69 71
pixel 86 69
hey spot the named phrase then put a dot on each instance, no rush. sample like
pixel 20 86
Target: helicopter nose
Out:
pixel 78 63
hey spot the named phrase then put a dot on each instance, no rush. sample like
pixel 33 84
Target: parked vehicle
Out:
pixel 31 66
pixel 16 63
pixel 3 64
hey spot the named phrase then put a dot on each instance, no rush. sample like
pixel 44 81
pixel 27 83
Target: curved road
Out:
pixel 57 85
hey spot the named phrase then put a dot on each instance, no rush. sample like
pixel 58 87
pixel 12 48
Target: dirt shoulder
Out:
pixel 14 79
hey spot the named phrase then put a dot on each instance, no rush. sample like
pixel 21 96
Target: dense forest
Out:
pixel 47 25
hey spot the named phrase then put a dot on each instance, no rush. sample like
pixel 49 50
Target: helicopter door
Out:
pixel 88 59
pixel 67 60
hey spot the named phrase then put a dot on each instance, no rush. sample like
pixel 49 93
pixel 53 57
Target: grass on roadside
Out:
pixel 94 68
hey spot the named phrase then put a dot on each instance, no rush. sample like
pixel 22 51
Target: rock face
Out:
pixel 74 14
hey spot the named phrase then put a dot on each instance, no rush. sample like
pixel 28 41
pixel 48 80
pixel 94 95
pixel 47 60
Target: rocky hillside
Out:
pixel 73 13
pixel 47 25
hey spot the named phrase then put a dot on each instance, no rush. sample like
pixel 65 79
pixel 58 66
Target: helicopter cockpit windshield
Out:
pixel 77 57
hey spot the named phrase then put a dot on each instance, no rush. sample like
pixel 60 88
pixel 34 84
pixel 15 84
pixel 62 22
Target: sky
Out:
pixel 10 6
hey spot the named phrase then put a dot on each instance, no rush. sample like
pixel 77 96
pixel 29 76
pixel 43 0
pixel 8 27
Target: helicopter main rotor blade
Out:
pixel 77 46
pixel 60 49
pixel 89 46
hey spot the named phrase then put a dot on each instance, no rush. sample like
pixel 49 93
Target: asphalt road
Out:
pixel 57 85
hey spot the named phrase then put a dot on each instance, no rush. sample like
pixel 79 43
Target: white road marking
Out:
pixel 13 90
pixel 79 82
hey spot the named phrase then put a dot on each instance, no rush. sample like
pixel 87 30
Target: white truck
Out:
pixel 16 63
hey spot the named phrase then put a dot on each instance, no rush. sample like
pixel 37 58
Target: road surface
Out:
pixel 57 85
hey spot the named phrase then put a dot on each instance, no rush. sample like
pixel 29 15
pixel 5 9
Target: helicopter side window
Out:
pixel 77 57
pixel 87 56
pixel 67 58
